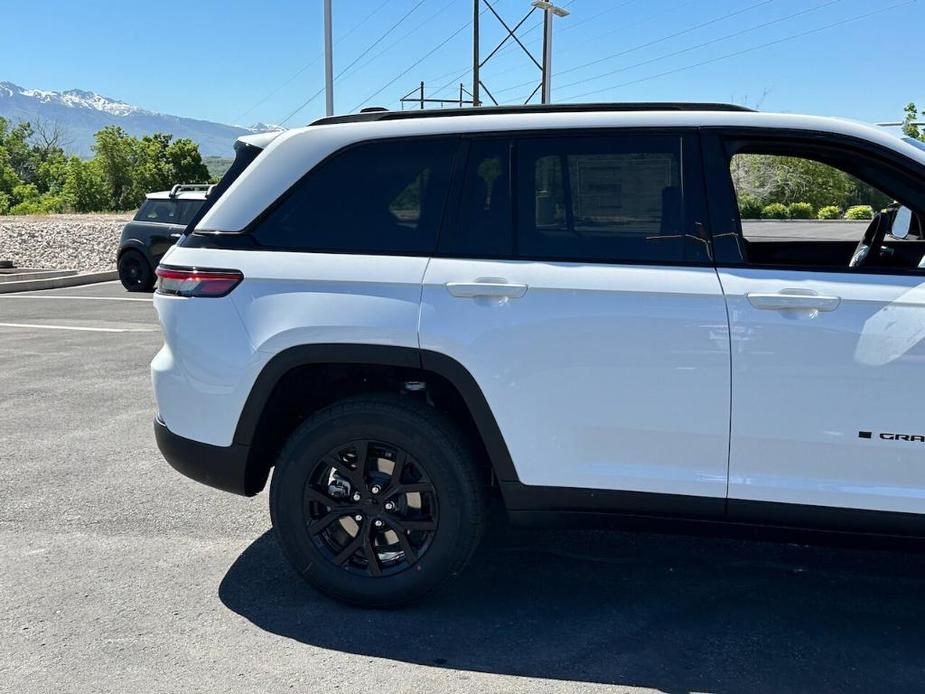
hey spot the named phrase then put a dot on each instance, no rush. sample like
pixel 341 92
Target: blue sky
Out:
pixel 245 62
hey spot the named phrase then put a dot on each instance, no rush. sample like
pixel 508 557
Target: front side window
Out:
pixel 797 210
pixel 378 197
pixel 617 198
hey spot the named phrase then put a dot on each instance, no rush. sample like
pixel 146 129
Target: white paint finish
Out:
pixel 291 154
pixel 204 373
pixel 215 348
pixel 806 382
pixel 609 377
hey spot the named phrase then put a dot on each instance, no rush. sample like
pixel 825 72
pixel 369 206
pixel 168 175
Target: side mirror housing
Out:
pixel 902 223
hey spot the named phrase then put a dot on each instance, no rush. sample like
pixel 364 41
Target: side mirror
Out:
pixel 902 223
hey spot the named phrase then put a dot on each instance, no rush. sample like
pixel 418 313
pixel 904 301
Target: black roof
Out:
pixel 384 114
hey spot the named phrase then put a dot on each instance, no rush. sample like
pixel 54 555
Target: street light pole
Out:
pixel 328 62
pixel 549 10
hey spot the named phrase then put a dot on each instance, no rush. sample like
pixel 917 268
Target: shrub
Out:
pixel 4 203
pixel 829 212
pixel 860 212
pixel 800 210
pixel 749 206
pixel 775 210
pixel 46 203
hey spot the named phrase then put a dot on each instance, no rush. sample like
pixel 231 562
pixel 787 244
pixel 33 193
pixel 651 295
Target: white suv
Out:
pixel 405 313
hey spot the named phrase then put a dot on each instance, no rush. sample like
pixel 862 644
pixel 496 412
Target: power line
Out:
pixel 431 52
pixel 751 49
pixel 310 63
pixel 356 60
pixel 410 67
pixel 673 54
pixel 392 45
pixel 647 44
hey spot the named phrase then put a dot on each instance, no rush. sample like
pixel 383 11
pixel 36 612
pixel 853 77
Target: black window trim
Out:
pixel 722 199
pixel 695 196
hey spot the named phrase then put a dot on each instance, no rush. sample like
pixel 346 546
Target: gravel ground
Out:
pixel 79 241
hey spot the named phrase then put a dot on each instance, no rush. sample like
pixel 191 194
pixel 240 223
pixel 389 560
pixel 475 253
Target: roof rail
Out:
pixel 190 188
pixel 368 115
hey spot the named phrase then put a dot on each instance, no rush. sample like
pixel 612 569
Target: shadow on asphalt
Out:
pixel 676 613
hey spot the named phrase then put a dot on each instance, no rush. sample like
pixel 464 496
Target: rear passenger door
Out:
pixel 575 285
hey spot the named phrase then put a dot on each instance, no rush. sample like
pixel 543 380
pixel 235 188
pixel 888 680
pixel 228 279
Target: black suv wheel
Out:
pixel 376 501
pixel 135 272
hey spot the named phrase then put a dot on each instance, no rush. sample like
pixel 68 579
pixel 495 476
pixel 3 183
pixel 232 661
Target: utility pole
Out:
pixel 476 59
pixel 328 61
pixel 548 10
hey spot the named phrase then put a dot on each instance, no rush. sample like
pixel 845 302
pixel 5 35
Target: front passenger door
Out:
pixel 827 380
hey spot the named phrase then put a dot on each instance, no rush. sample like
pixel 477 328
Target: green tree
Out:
pixel 910 129
pixel 85 188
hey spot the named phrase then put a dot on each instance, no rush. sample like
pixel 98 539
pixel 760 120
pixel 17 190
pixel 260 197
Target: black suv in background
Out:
pixel 157 225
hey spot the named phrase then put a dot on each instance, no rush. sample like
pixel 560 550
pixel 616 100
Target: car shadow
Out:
pixel 675 613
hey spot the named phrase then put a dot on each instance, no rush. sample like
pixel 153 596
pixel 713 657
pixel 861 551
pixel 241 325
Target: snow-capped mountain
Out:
pixel 80 114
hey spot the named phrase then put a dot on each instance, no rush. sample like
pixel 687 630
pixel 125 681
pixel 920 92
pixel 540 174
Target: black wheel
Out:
pixel 135 273
pixel 376 501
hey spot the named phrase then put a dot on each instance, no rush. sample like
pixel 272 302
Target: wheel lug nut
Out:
pixel 358 518
pixel 375 489
pixel 378 523
pixel 356 496
pixel 389 506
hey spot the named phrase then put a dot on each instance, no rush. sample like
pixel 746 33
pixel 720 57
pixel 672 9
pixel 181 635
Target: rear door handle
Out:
pixel 494 290
pixel 793 299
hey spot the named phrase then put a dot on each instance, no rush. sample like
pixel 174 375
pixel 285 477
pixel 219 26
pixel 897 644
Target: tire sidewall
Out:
pixel 147 276
pixel 427 445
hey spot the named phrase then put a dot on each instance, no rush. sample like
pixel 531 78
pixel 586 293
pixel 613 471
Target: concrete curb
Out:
pixel 56 282
pixel 26 275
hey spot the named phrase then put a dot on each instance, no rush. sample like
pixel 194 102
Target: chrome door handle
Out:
pixel 793 299
pixel 493 290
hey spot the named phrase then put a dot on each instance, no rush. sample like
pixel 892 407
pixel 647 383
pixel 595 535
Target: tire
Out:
pixel 135 272
pixel 442 520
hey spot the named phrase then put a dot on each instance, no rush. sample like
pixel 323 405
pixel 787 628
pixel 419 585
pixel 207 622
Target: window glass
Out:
pixel 375 197
pixel 483 224
pixel 616 198
pixel 164 211
pixel 787 197
pixel 188 210
pixel 802 212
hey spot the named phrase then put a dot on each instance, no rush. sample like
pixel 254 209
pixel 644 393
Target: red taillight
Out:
pixel 178 281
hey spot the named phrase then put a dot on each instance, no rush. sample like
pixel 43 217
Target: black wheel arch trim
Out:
pixel 380 355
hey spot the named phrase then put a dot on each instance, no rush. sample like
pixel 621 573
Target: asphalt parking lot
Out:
pixel 117 574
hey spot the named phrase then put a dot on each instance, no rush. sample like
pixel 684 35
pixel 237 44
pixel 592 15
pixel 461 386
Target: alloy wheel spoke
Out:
pixel 416 524
pixel 397 469
pixel 410 555
pixel 415 488
pixel 319 524
pixel 351 548
pixel 372 559
pixel 312 494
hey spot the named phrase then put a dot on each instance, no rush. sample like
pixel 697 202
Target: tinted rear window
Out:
pixel 617 198
pixel 375 197
pixel 163 211
pixel 188 209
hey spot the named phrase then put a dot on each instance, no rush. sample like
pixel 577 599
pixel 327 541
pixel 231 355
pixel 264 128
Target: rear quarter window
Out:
pixel 165 211
pixel 377 197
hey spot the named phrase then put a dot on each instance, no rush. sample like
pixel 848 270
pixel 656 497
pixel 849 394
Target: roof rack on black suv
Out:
pixel 190 188
pixel 384 114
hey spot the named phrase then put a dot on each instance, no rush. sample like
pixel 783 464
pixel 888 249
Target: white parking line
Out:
pixel 78 298
pixel 74 327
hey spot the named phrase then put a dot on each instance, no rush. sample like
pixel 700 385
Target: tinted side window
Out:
pixel 188 209
pixel 613 198
pixel 163 211
pixel 375 197
pixel 484 222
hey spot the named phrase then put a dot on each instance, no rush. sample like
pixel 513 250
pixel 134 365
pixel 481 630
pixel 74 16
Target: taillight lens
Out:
pixel 179 281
